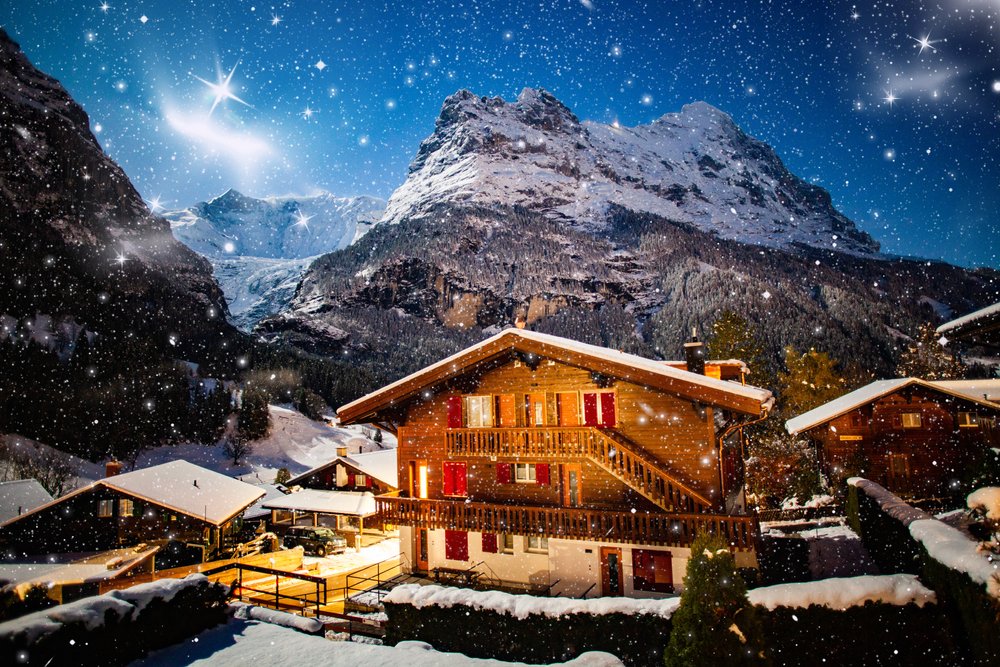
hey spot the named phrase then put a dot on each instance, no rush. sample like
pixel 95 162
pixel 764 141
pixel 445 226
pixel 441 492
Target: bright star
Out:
pixel 120 259
pixel 104 7
pixel 926 42
pixel 302 220
pixel 855 15
pixel 320 65
pixel 221 89
pixel 307 113
pixel 155 204
pixel 275 19
pixel 890 98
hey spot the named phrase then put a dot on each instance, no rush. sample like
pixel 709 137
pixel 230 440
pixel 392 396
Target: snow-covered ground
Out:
pixel 85 471
pixel 244 642
pixel 353 559
pixel 296 442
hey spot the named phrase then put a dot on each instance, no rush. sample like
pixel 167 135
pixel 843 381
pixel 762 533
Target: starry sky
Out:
pixel 894 107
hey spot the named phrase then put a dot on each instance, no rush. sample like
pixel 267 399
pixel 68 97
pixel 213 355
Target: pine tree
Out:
pixel 254 418
pixel 811 380
pixel 926 358
pixel 733 337
pixel 714 624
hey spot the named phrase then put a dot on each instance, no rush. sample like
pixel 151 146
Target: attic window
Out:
pixel 105 508
pixel 911 420
pixel 968 420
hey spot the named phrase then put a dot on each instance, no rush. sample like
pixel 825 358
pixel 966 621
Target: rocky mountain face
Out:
pixel 695 167
pixel 77 242
pixel 620 237
pixel 259 248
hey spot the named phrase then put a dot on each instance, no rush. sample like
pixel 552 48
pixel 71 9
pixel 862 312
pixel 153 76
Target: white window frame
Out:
pixel 968 419
pixel 911 420
pixel 536 544
pixel 478 411
pixel 525 473
pixel 105 508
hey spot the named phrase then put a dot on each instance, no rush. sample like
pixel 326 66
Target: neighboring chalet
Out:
pixel 981 327
pixel 536 462
pixel 914 437
pixel 172 501
pixel 339 494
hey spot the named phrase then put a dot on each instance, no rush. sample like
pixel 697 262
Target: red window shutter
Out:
pixel 456 545
pixel 454 412
pixel 590 409
pixel 504 473
pixel 455 478
pixel 607 409
pixel 489 543
pixel 542 473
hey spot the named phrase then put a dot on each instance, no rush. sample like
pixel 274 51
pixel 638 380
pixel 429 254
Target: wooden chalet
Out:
pixel 172 501
pixel 914 437
pixel 366 471
pixel 537 462
pixel 981 327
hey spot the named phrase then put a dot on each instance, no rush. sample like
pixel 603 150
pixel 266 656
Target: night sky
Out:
pixel 894 107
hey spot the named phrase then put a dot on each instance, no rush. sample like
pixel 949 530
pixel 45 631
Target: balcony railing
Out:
pixel 608 450
pixel 666 529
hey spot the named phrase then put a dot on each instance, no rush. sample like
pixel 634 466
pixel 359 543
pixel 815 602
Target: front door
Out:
pixel 536 410
pixel 612 581
pixel 420 548
pixel 899 472
pixel 572 485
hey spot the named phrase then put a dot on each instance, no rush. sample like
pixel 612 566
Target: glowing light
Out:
pixel 155 204
pixel 240 146
pixel 229 246
pixel 222 89
pixel 307 113
pixel 104 7
pixel 926 42
pixel 320 65
pixel 890 98
pixel 120 259
pixel 275 19
pixel 143 19
pixel 302 220
pixel 996 86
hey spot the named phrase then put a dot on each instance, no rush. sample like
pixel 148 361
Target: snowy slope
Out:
pixel 695 166
pixel 259 248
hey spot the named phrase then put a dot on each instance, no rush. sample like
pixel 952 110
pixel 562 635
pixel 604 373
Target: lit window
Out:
pixel 968 420
pixel 536 543
pixel 125 507
pixel 507 543
pixel 524 473
pixel 479 411
pixel 911 420
pixel 105 508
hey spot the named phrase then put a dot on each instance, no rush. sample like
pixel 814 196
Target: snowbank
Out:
pixel 249 612
pixel 950 547
pixel 889 502
pixel 522 606
pixel 249 642
pixel 986 499
pixel 895 589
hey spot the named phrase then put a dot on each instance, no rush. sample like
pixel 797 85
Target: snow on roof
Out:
pixel 982 313
pixel 867 394
pixel 381 464
pixel 20 496
pixel 614 356
pixel 354 503
pixel 271 492
pixel 246 642
pixel 92 568
pixel 189 489
pixel 977 389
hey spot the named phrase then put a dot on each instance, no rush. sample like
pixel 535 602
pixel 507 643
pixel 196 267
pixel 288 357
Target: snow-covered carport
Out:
pixel 344 511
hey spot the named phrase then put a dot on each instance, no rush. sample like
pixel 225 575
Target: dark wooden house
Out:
pixel 916 438
pixel 538 462
pixel 172 501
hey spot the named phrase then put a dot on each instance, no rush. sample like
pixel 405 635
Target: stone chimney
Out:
pixel 694 354
pixel 341 450
pixel 112 468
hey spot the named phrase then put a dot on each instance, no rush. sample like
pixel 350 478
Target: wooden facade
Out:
pixel 916 441
pixel 572 444
pixel 341 475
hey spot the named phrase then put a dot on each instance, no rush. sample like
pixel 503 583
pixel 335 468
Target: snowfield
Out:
pixel 245 642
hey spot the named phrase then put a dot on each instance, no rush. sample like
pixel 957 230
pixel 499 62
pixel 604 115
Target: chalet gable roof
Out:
pixel 20 496
pixel 629 367
pixel 871 392
pixel 985 321
pixel 180 486
pixel 380 464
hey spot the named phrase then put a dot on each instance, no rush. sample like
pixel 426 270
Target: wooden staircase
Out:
pixel 609 450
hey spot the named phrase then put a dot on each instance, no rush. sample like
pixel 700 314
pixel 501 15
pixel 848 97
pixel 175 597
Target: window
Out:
pixel 652 571
pixel 105 508
pixel 455 481
pixel 126 507
pixel 968 420
pixel 524 473
pixel 599 409
pixel 507 543
pixel 456 545
pixel 538 544
pixel 479 411
pixel 911 419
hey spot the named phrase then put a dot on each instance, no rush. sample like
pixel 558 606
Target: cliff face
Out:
pixel 76 237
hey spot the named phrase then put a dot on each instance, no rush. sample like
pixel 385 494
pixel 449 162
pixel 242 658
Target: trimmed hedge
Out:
pixel 869 634
pixel 129 629
pixel 975 614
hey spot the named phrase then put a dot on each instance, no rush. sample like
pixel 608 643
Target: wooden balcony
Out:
pixel 663 529
pixel 607 449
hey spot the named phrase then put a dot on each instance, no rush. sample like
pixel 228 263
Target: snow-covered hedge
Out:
pixel 116 627
pixel 966 580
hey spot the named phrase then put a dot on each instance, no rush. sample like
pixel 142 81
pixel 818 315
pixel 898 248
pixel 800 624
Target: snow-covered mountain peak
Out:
pixel 695 166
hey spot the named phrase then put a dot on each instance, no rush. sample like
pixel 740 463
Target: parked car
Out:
pixel 315 540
